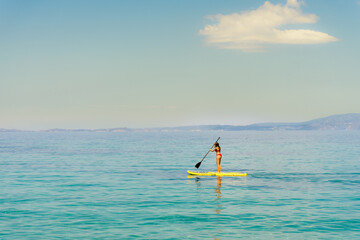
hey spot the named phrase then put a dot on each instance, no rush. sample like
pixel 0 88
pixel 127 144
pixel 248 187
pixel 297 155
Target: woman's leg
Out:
pixel 218 162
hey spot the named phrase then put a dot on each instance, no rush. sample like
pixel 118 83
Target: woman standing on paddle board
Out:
pixel 217 149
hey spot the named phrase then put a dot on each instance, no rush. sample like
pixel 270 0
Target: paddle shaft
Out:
pixel 198 164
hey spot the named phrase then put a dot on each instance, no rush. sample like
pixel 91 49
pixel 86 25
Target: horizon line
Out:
pixel 164 127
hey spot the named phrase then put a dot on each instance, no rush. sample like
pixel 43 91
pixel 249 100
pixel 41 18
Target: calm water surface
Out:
pixel 300 185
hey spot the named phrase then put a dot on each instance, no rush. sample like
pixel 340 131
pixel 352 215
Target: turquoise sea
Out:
pixel 97 185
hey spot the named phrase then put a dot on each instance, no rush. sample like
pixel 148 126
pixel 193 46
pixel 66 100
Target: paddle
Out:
pixel 199 163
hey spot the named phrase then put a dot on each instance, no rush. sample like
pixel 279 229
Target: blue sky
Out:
pixel 94 64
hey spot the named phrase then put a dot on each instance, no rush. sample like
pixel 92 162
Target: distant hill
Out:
pixel 337 122
pixel 349 121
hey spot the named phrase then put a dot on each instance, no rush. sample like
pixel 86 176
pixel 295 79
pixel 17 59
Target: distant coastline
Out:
pixel 349 121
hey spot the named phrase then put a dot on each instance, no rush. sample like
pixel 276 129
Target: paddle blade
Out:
pixel 198 165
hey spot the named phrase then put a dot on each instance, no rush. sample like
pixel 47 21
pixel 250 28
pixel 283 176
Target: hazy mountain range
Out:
pixel 349 121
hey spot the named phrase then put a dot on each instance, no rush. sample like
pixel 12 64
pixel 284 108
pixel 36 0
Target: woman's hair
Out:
pixel 216 144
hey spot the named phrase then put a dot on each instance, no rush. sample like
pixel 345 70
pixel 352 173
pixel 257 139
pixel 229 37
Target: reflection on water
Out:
pixel 218 205
pixel 218 195
pixel 217 190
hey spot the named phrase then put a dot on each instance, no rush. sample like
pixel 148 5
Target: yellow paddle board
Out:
pixel 234 174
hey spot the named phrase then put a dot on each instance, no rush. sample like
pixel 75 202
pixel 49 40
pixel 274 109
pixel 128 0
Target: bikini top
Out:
pixel 217 151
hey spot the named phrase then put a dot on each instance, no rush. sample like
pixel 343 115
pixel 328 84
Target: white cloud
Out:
pixel 250 31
